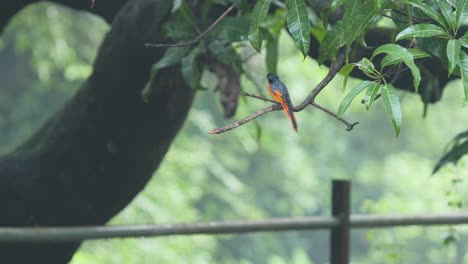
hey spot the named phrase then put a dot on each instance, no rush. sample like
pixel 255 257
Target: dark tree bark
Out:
pixel 93 156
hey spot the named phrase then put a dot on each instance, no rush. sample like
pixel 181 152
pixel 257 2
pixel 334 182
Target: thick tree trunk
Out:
pixel 91 159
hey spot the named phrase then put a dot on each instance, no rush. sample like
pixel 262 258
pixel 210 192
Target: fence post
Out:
pixel 339 236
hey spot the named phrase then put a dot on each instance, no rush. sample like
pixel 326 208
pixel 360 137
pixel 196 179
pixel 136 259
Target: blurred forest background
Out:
pixel 259 170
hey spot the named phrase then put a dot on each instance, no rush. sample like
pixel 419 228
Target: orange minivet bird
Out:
pixel 279 92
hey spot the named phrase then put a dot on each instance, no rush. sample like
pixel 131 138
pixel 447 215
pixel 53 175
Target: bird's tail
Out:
pixel 289 110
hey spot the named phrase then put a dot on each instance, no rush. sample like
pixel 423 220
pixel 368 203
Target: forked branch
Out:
pixel 309 100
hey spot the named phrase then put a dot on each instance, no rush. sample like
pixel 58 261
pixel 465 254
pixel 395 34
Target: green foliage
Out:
pixel 421 31
pixel 298 24
pixel 345 71
pixel 358 16
pixel 403 55
pixel 258 14
pixel 171 57
pixel 392 105
pixel 392 59
pixel 464 72
pixel 457 149
pixel 371 95
pixel 351 95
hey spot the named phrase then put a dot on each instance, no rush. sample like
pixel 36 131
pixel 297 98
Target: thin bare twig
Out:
pixel 195 40
pixel 252 116
pixel 349 126
pixel 259 97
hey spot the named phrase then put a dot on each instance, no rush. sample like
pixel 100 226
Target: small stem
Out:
pixel 349 126
pixel 259 97
pixel 195 40
pixel 251 117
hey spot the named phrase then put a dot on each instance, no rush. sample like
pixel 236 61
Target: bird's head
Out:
pixel 272 77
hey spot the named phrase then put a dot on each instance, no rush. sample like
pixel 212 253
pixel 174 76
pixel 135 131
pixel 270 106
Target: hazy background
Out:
pixel 259 170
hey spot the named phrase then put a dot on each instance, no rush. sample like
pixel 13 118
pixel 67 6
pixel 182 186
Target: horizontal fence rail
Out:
pixel 61 234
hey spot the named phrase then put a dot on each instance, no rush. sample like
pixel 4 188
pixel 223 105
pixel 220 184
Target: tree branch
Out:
pixel 334 69
pixel 195 40
pixel 349 126
pixel 332 72
pixel 251 117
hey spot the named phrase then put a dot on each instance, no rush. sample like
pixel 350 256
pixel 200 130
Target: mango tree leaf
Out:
pixel 406 57
pixel 391 60
pixel 231 29
pixel 448 13
pixel 258 14
pixel 345 71
pixel 392 105
pixel 367 67
pixel 453 54
pixel 298 24
pixel 464 40
pixel 461 12
pixel 224 52
pixel 171 57
pixel 333 40
pixel 190 70
pixel 271 58
pixel 351 95
pixel 357 17
pixel 371 94
pixel 459 148
pixel 464 72
pixel 429 11
pixel 421 31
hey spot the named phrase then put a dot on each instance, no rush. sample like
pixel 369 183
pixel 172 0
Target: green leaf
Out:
pixel 367 67
pixel 406 57
pixel 224 52
pixel 345 71
pixel 258 14
pixel 371 94
pixel 231 29
pixel 333 40
pixel 358 16
pixel 461 12
pixel 464 72
pixel 429 11
pixel 391 60
pixel 464 40
pixel 459 148
pixel 351 95
pixel 271 58
pixel 171 57
pixel 298 24
pixel 190 70
pixel 436 47
pixel 392 105
pixel 421 31
pixel 453 54
pixel 448 13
